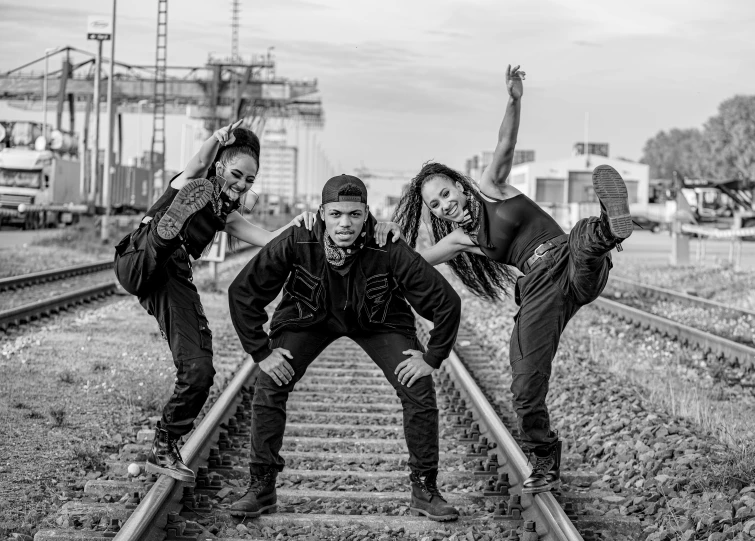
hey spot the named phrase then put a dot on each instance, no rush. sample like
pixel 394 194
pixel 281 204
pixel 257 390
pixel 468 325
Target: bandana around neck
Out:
pixel 338 256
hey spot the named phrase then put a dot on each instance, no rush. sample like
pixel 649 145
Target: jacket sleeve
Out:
pixel 256 286
pixel 431 296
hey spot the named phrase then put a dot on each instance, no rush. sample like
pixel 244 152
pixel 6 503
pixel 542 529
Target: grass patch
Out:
pixel 88 454
pixel 58 416
pixel 35 415
pixel 100 366
pixel 66 376
pixel 668 383
pixel 21 406
pixel 732 468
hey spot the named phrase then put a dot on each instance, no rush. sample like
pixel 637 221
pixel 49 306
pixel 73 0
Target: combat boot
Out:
pixel 614 202
pixel 260 497
pixel 554 474
pixel 543 470
pixel 189 199
pixel 427 499
pixel 164 458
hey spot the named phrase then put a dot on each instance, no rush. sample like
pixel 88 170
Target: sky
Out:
pixel 407 81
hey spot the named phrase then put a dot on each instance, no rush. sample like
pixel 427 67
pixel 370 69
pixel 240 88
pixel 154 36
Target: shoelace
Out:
pixel 258 482
pixel 542 464
pixel 430 486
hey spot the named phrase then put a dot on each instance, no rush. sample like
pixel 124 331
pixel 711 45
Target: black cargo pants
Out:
pixel 570 275
pixel 159 273
pixel 385 349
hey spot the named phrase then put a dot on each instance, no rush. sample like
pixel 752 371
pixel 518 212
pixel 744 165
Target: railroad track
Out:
pixel 708 342
pixel 26 312
pixel 346 467
pixel 20 315
pixel 26 280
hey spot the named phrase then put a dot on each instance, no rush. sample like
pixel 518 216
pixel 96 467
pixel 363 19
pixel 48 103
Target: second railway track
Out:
pixel 735 351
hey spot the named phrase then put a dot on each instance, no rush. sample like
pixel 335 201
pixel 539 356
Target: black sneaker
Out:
pixel 191 198
pixel 260 497
pixel 541 476
pixel 614 202
pixel 427 499
pixel 164 458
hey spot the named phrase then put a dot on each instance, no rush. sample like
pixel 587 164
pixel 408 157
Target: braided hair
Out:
pixel 483 276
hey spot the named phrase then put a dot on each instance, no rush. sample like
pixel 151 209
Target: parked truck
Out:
pixel 41 181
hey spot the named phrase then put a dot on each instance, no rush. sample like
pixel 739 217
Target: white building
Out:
pixel 564 187
pixel 276 178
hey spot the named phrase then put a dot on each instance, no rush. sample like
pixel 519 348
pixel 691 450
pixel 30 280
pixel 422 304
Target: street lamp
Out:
pixel 139 152
pixel 48 52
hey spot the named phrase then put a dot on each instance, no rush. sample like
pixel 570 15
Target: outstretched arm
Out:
pixel 239 227
pixel 495 175
pixel 449 247
pixel 202 160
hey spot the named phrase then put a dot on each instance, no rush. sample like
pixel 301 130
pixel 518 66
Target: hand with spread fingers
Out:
pixel 225 134
pixel 381 232
pixel 514 78
pixel 413 368
pixel 306 219
pixel 276 366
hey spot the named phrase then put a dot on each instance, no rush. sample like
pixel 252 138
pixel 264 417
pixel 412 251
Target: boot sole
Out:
pixel 267 510
pixel 438 518
pixel 191 198
pixel 185 477
pixel 536 490
pixel 612 192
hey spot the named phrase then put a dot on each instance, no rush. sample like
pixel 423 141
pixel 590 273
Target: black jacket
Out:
pixel 384 280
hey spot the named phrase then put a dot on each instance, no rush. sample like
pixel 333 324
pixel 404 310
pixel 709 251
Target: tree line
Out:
pixel 723 149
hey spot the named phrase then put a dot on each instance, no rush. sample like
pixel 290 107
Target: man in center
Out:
pixel 338 282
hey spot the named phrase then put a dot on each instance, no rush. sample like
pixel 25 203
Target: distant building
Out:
pixel 276 179
pixel 477 164
pixel 563 188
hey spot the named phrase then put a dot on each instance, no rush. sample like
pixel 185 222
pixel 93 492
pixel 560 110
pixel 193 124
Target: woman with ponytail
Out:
pixel 486 232
pixel 153 263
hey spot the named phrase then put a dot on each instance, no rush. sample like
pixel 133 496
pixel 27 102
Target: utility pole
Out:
pixel 104 234
pixel 100 29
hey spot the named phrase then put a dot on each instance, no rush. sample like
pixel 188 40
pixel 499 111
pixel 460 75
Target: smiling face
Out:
pixel 444 198
pixel 344 221
pixel 237 175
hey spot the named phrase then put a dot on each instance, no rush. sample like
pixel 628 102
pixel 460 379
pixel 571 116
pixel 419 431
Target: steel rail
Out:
pixel 28 312
pixel 555 520
pixel 661 292
pixel 23 280
pixel 142 519
pixel 706 341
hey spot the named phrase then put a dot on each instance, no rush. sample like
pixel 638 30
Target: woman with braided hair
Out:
pixel 483 232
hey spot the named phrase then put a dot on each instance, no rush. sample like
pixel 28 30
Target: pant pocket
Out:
pixel 515 345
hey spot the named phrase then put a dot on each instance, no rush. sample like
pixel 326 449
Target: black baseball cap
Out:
pixel 334 185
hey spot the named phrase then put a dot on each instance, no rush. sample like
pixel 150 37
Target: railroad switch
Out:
pixel 498 487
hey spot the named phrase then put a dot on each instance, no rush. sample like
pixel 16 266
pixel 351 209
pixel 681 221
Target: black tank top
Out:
pixel 511 229
pixel 202 226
